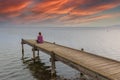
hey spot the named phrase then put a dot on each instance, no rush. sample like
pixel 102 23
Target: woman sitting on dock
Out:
pixel 40 38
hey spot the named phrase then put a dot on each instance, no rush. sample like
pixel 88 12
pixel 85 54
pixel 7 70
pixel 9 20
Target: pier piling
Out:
pixel 37 52
pixel 22 43
pixel 53 64
pixel 33 49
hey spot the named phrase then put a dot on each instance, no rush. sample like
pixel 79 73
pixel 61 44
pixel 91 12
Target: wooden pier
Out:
pixel 100 68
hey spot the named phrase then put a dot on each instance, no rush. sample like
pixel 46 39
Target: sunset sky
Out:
pixel 76 13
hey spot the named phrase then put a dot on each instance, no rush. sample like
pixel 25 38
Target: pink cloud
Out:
pixel 89 19
pixel 33 11
pixel 9 7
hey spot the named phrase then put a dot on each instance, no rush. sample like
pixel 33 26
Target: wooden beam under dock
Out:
pixel 100 68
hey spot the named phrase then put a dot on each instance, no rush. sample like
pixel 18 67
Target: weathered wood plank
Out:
pixel 116 76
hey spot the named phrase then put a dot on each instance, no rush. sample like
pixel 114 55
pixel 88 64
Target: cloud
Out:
pixel 12 8
pixel 75 20
pixel 95 8
pixel 79 7
pixel 41 11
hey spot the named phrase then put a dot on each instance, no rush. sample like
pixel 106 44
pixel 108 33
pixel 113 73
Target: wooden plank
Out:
pixel 117 76
pixel 110 66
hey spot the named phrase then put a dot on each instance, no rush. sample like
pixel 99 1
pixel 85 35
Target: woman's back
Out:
pixel 40 39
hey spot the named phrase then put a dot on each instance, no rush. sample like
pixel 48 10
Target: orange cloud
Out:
pixel 89 19
pixel 15 7
pixel 73 7
pixel 41 11
pixel 12 8
pixel 51 7
pixel 69 9
pixel 91 10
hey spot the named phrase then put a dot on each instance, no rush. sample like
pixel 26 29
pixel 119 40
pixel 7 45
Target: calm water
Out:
pixel 101 41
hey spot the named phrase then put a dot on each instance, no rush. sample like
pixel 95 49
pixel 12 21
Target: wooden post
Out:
pixel 22 49
pixel 33 49
pixel 82 49
pixel 53 65
pixel 81 76
pixel 38 53
pixel 38 57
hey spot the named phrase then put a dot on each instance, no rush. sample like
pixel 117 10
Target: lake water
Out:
pixel 100 41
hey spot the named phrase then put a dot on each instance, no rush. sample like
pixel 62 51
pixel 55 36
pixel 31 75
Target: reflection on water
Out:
pixel 38 69
pixel 42 72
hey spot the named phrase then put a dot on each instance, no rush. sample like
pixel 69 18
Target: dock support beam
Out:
pixel 33 49
pixel 22 43
pixel 53 72
pixel 38 58
pixel 38 52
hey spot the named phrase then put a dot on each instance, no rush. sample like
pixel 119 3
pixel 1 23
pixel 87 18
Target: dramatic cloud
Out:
pixel 75 20
pixel 57 11
pixel 11 6
pixel 10 9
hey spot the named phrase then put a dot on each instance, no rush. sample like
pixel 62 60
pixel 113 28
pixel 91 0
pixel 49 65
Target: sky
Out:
pixel 72 13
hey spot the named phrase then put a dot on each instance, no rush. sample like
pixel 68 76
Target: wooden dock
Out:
pixel 100 68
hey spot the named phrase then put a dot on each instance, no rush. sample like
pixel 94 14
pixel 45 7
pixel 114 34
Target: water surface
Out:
pixel 100 41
